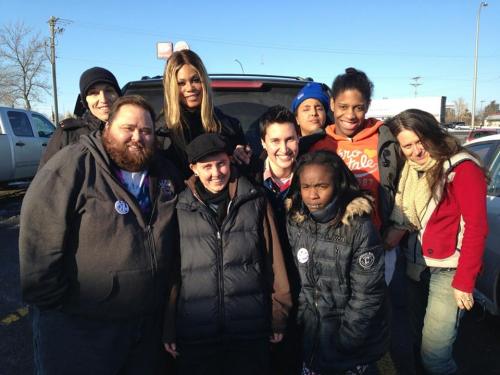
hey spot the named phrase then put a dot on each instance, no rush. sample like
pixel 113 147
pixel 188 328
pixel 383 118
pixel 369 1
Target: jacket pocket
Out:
pixel 133 292
pixel 94 288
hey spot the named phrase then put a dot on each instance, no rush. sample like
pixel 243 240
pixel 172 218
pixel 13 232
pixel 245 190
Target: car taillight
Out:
pixel 255 85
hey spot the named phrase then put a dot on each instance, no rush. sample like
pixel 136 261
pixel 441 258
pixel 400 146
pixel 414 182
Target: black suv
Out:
pixel 243 96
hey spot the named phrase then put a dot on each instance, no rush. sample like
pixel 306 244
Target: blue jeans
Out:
pixel 68 344
pixel 434 319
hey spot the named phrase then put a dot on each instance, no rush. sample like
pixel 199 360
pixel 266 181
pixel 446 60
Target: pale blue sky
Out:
pixel 391 41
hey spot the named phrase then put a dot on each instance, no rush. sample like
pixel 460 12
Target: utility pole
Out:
pixel 52 24
pixel 54 29
pixel 415 84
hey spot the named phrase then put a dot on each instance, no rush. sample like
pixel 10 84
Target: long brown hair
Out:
pixel 437 142
pixel 172 109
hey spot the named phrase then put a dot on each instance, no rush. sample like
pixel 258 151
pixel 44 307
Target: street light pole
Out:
pixel 474 84
pixel 241 65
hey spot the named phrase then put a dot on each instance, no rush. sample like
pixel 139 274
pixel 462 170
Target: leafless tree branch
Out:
pixel 23 59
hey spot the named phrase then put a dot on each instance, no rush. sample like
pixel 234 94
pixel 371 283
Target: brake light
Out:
pixel 223 84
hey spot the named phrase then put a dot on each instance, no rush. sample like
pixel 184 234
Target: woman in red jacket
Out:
pixel 441 204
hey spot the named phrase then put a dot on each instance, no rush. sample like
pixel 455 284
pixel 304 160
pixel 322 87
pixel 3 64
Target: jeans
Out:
pixel 69 344
pixel 434 319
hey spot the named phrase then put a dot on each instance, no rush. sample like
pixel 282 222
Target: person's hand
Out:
pixel 242 154
pixel 392 238
pixel 171 348
pixel 464 300
pixel 276 338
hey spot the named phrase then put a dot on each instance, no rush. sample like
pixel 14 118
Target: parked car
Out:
pixel 23 138
pixel 481 132
pixel 243 96
pixel 488 283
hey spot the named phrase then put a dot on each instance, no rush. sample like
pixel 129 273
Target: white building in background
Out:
pixel 492 121
pixel 385 108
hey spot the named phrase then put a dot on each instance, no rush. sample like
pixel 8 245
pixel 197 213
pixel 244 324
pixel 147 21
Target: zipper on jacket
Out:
pixel 220 265
pixel 316 330
pixel 337 264
pixel 220 261
pixel 152 255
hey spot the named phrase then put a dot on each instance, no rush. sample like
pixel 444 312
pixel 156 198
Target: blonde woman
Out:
pixel 189 110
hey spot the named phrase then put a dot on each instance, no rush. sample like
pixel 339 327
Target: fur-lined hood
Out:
pixel 357 207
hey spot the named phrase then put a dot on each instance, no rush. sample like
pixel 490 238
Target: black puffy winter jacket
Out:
pixel 342 301
pixel 233 283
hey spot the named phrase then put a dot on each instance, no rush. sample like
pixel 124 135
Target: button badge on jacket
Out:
pixel 366 260
pixel 302 255
pixel 167 188
pixel 121 207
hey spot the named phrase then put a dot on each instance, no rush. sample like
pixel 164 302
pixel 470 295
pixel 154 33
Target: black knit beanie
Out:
pixel 96 75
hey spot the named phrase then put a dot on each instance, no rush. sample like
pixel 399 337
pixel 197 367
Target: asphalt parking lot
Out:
pixel 477 349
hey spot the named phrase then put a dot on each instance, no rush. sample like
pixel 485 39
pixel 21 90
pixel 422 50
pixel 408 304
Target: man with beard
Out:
pixel 99 89
pixel 97 244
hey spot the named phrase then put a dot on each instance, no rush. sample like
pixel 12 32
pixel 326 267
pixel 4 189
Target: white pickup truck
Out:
pixel 23 138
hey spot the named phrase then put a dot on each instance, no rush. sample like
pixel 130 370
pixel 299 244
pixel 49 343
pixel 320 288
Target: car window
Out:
pixel 42 126
pixel 482 150
pixel 494 185
pixel 248 106
pixel 153 95
pixel 20 124
pixel 245 105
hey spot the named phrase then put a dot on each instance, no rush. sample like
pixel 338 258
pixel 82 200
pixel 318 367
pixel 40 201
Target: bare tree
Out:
pixel 6 96
pixel 461 109
pixel 23 57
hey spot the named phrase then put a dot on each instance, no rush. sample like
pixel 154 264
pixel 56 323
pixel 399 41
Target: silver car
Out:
pixel 488 283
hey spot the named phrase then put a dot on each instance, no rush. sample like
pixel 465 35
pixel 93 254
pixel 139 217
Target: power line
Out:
pixel 121 29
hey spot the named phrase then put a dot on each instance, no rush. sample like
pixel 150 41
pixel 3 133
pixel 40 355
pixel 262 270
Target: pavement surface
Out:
pixel 477 350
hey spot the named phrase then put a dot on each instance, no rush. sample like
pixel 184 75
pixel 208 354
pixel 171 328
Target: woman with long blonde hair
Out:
pixel 189 109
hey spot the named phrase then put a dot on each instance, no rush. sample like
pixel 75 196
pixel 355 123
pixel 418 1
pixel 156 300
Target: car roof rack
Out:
pixel 242 76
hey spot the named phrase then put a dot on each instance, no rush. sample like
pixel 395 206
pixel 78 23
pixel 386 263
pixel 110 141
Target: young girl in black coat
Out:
pixel 339 256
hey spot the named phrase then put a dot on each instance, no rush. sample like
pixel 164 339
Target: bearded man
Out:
pixel 97 244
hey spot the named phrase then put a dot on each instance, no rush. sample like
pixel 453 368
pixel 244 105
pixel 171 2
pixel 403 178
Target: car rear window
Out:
pixel 246 104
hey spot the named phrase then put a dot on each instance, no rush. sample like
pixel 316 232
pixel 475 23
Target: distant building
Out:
pixel 385 108
pixel 492 121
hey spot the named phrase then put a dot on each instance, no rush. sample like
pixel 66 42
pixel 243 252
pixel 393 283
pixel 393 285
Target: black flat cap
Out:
pixel 205 145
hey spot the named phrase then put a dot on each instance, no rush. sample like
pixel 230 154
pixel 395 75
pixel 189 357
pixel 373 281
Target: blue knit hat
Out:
pixel 312 90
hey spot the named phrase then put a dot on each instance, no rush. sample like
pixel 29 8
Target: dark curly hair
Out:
pixel 353 79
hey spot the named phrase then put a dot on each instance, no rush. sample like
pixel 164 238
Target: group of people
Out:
pixel 149 240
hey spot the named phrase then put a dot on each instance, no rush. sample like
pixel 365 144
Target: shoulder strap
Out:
pixel 456 159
